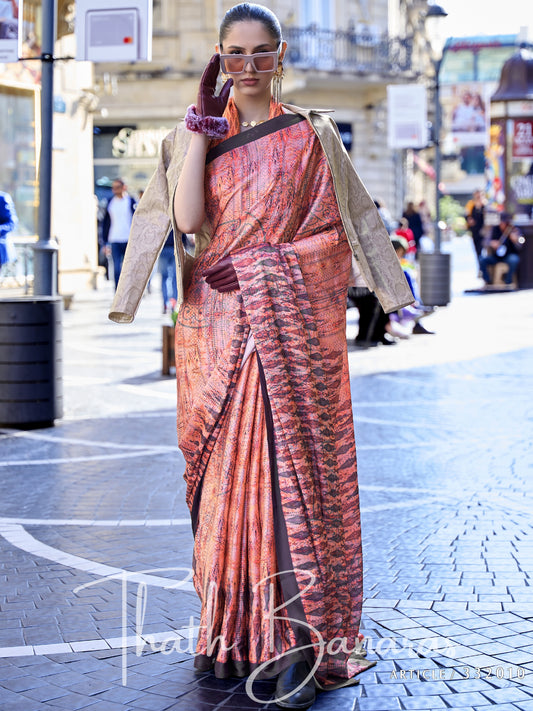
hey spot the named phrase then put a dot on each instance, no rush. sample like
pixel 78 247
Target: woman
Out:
pixel 264 408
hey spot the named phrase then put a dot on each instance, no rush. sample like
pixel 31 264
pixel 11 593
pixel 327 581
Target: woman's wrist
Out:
pixel 211 126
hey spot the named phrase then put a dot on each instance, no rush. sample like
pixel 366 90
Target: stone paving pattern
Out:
pixel 443 427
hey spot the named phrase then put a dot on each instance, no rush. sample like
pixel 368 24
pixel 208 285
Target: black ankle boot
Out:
pixel 290 679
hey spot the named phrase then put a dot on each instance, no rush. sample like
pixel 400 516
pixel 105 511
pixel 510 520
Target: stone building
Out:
pixel 73 202
pixel 341 55
pixel 109 119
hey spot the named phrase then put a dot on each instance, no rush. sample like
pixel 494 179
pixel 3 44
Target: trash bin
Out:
pixel 435 278
pixel 31 384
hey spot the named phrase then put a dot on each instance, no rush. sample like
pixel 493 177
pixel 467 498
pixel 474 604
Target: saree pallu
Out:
pixel 268 436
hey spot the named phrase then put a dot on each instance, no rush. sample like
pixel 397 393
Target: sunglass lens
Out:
pixel 234 65
pixel 264 63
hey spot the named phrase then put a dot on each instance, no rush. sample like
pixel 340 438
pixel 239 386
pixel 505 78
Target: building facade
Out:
pixel 109 119
pixel 73 202
pixel 341 56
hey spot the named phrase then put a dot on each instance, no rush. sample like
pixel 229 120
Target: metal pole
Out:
pixel 45 249
pixel 435 268
pixel 437 156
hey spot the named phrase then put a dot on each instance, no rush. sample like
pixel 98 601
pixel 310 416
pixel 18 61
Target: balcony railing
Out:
pixel 342 51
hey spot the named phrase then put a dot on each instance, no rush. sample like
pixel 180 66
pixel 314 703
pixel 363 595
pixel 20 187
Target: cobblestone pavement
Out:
pixel 94 532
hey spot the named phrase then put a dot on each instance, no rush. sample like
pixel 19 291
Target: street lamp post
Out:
pixel 45 249
pixel 435 271
pixel 31 369
pixel 436 65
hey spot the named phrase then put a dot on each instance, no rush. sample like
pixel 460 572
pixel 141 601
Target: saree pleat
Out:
pixel 234 545
pixel 287 492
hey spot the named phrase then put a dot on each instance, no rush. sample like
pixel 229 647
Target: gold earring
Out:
pixel 225 78
pixel 277 84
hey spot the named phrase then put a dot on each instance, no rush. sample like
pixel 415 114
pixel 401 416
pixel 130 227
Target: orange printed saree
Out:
pixel 265 419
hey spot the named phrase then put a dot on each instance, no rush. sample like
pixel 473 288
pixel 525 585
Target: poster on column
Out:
pixel 10 33
pixel 521 167
pixel 465 119
pixel 495 166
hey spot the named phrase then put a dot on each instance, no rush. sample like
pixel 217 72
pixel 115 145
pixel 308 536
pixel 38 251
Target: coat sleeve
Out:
pixel 370 242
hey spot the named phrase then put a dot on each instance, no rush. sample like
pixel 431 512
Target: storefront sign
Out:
pixel 142 143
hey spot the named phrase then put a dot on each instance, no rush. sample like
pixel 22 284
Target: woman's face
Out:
pixel 250 37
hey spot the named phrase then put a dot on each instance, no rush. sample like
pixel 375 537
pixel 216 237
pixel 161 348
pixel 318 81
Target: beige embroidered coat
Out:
pixel 375 258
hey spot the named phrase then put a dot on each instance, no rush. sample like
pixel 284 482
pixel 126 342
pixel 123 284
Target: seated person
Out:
pixel 403 230
pixel 504 246
pixel 374 323
pixel 409 317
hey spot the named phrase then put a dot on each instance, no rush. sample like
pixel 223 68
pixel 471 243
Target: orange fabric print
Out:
pixel 275 517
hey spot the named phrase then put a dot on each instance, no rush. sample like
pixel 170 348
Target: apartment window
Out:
pixel 158 14
pixel 317 12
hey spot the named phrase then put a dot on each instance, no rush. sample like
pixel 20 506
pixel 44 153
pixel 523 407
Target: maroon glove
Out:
pixel 207 103
pixel 222 276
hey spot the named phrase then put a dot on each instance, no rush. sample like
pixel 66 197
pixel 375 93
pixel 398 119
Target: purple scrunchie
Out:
pixel 212 126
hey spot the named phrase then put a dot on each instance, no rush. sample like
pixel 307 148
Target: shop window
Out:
pixel 18 166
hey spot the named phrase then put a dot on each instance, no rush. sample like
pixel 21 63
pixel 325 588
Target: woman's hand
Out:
pixel 222 276
pixel 207 103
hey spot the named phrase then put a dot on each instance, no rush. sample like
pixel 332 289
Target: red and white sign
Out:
pixel 114 30
pixel 523 138
pixel 407 116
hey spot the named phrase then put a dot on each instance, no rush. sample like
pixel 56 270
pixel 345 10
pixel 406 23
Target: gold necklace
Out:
pixel 252 123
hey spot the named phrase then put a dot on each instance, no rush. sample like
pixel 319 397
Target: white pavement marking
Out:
pixel 110 523
pixel 168 638
pixel 396 489
pixel 149 449
pixel 89 442
pixel 74 460
pixel 396 445
pixel 132 353
pixel 480 401
pixel 396 423
pixel 20 538
pixel 14 532
pixel 149 452
pixel 166 413
pixel 83 380
pixel 400 505
pixel 148 392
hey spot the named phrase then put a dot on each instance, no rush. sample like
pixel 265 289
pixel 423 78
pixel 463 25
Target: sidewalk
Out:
pixel 443 426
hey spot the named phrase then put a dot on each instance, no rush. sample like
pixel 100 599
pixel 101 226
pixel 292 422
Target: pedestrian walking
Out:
pixel 475 219
pixel 264 406
pixel 415 223
pixel 8 223
pixel 425 216
pixel 117 224
pixel 167 269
